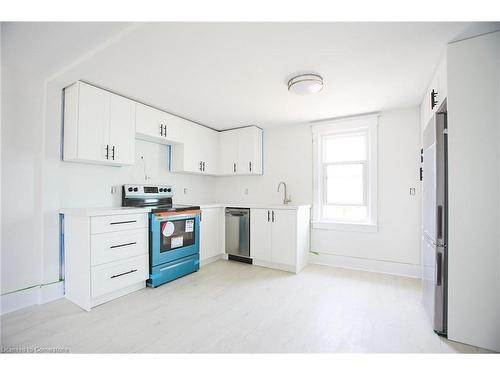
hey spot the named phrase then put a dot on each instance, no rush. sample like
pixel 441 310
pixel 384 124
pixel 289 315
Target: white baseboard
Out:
pixel 36 295
pixel 370 265
pixel 215 258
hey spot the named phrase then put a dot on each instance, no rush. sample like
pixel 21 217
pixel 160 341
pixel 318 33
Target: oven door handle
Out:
pixel 163 219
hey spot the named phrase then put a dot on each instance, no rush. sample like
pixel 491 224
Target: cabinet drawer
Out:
pixel 113 246
pixel 103 224
pixel 110 277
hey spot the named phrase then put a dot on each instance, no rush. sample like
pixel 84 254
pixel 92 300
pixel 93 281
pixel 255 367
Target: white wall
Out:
pixel 287 157
pixel 395 248
pixel 474 186
pixel 36 183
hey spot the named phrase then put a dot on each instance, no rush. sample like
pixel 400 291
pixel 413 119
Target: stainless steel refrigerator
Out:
pixel 435 221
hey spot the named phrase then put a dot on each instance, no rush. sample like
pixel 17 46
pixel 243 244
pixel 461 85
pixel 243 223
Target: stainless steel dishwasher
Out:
pixel 238 234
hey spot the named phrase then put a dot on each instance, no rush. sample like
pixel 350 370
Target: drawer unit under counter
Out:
pixel 105 256
pixel 110 277
pixel 114 223
pixel 113 246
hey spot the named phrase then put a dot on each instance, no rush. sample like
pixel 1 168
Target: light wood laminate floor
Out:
pixel 234 307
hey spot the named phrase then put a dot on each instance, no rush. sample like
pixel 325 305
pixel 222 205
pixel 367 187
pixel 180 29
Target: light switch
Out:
pixel 412 191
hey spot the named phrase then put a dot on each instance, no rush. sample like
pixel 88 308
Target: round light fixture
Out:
pixel 305 84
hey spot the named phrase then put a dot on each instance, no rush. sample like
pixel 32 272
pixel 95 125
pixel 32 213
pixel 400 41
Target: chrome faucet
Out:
pixel 286 199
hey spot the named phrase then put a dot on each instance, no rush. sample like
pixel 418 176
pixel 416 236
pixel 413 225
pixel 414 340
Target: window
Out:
pixel 345 174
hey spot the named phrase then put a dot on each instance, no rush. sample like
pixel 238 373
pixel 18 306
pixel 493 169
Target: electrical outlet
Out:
pixel 412 191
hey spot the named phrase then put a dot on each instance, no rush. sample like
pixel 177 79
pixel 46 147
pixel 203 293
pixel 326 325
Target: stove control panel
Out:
pixel 148 190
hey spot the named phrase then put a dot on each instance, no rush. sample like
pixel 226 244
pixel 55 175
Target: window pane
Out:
pixel 345 184
pixel 345 147
pixel 346 213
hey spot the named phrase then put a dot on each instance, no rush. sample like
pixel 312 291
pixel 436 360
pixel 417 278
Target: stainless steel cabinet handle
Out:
pixel 268 218
pixel 250 166
pixel 122 245
pixel 113 152
pixel 124 273
pixel 203 166
pixel 273 216
pixel 234 167
pixel 165 130
pixel 161 130
pixel 107 152
pixel 123 222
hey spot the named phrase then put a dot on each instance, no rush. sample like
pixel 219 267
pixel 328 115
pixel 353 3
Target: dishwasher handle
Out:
pixel 234 214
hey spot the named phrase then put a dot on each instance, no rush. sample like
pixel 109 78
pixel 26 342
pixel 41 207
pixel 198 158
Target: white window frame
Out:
pixel 368 123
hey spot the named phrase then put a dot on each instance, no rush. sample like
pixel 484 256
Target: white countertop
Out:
pixel 256 205
pixel 104 211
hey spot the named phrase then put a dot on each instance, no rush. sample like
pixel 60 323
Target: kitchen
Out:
pixel 158 189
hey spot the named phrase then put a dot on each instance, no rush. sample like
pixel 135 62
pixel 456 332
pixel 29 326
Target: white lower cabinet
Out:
pixel 279 238
pixel 211 245
pixel 105 257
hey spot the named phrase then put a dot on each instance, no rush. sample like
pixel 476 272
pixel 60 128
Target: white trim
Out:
pixel 341 125
pixel 215 258
pixel 369 265
pixel 36 295
pixel 345 227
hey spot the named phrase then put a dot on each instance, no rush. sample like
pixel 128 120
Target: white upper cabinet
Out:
pixel 228 152
pixel 198 152
pixel 121 130
pixel 157 126
pixel 435 94
pixel 240 151
pixel 99 126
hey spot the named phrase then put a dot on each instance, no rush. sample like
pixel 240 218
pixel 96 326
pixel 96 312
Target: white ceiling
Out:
pixel 233 74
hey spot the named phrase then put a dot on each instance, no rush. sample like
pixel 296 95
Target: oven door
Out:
pixel 174 237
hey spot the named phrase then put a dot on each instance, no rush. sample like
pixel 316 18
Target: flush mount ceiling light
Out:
pixel 305 84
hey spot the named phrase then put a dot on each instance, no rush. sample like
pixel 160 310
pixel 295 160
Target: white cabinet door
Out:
pixel 284 236
pixel 148 124
pixel 93 123
pixel 208 148
pixel 228 152
pixel 121 130
pixel 210 233
pixel 173 128
pixel 249 150
pixel 157 126
pixel 192 150
pixel 260 234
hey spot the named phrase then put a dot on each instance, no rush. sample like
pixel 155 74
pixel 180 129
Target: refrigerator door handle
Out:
pixel 439 268
pixel 440 221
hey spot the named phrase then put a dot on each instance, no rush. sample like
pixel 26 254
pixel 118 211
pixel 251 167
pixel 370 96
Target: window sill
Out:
pixel 345 227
